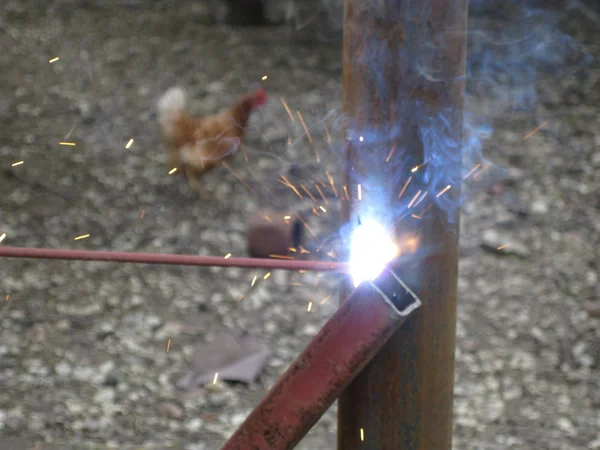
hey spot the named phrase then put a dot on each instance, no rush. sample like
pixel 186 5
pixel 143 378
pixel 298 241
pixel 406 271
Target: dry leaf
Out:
pixel 233 358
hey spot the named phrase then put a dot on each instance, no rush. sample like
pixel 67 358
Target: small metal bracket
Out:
pixel 396 292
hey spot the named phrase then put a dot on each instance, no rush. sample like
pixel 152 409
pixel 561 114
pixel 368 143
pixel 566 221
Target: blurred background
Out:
pixel 91 353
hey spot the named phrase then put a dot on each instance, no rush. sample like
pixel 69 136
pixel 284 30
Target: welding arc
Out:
pixel 365 321
pixel 183 260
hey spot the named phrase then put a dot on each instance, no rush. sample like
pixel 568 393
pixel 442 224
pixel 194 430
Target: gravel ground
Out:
pixel 83 360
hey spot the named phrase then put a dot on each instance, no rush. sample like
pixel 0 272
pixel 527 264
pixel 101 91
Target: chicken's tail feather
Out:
pixel 170 107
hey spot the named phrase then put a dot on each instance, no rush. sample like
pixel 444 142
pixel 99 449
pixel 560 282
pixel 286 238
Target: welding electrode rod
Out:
pixel 182 260
pixel 345 344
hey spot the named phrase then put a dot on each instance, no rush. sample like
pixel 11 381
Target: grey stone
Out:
pixel 194 425
pixel 237 419
pixel 540 207
pixel 104 395
pixel 63 369
pixel 503 244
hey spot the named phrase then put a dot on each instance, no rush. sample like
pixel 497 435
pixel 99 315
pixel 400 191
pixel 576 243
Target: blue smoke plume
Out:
pixel 505 58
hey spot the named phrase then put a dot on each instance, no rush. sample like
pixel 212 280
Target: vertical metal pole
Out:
pixel 404 81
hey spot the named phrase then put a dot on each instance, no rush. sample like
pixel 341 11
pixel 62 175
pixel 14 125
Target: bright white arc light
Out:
pixel 371 248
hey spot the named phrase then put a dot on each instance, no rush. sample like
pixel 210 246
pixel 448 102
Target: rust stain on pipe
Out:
pixel 346 343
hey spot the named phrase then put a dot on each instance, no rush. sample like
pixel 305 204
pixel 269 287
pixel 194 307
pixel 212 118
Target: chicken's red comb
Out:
pixel 260 97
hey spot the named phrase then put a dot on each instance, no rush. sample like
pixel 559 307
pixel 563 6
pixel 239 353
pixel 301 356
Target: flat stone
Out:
pixel 503 244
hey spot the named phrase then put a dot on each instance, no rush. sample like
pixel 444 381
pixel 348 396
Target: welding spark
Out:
pixel 421 199
pixel 244 153
pixel 2 237
pixel 322 195
pixel 362 434
pixel 478 174
pixel 387 160
pixel 404 187
pixel 471 171
pixel 371 248
pixel 258 180
pixel 216 378
pixel 53 60
pixel 129 143
pixel 531 133
pixel 83 236
pixel 322 209
pixel 287 108
pixel 268 274
pixel 319 275
pixel 303 250
pixel 18 163
pixel 287 217
pixel 361 139
pixel 443 190
pixel 173 170
pixel 416 216
pixel 281 256
pixel 330 178
pixel 228 255
pixel 309 306
pixel 327 134
pixel 287 183
pixel 414 169
pixel 346 192
pixel 325 299
pixel 503 246
pixel 253 280
pixel 308 192
pixel 168 345
pixel 319 181
pixel 305 128
pixel 142 214
pixel 68 144
pixel 414 198
pixel 7 297
pixel 264 77
pixel 360 192
pixel 426 209
pixel 235 174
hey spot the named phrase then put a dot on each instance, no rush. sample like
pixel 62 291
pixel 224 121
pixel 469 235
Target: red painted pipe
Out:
pixel 183 260
pixel 348 341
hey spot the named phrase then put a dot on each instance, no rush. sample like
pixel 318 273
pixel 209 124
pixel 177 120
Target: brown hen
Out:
pixel 197 144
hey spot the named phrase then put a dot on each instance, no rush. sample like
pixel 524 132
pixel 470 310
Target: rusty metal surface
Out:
pixel 404 74
pixel 340 350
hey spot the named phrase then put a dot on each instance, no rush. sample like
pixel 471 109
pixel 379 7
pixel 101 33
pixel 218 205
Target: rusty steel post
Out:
pixel 404 80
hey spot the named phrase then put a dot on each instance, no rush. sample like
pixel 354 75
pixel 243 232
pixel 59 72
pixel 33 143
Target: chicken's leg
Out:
pixel 195 184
